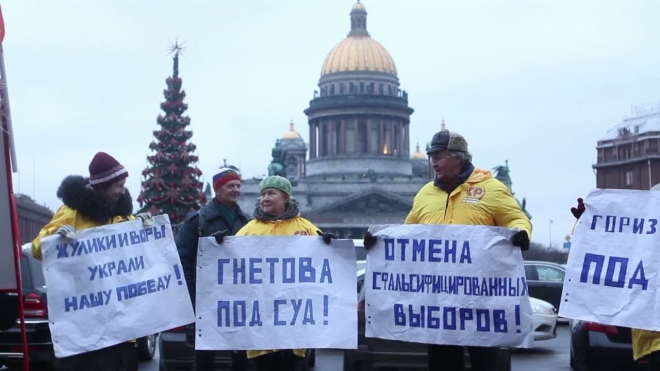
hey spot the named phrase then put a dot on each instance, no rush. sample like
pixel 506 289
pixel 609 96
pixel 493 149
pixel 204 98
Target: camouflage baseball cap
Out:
pixel 446 140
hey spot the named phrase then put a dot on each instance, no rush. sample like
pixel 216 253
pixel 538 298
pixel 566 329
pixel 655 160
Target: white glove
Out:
pixel 67 231
pixel 147 219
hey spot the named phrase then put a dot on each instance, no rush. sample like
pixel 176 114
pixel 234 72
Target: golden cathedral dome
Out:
pixel 292 133
pixel 358 6
pixel 418 155
pixel 358 51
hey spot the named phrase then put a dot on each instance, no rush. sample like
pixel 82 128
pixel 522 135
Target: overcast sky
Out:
pixel 534 82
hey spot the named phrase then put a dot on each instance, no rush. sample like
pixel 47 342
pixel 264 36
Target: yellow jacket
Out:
pixel 296 226
pixel 68 216
pixel 644 342
pixel 480 200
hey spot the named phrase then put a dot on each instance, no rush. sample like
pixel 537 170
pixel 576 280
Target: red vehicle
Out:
pixel 35 308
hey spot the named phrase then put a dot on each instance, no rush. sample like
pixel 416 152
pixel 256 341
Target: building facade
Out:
pixel 31 217
pixel 629 153
pixel 357 168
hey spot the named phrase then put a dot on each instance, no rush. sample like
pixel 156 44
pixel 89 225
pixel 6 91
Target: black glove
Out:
pixel 219 236
pixel 577 211
pixel 369 240
pixel 327 237
pixel 521 239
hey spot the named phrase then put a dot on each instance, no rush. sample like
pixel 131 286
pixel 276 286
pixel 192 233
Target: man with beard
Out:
pixel 91 202
pixel 465 195
pixel 221 217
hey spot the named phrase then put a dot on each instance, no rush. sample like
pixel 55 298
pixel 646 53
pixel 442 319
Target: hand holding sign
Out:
pixel 521 239
pixel 67 231
pixel 219 236
pixel 369 240
pixel 327 237
pixel 146 219
pixel 577 211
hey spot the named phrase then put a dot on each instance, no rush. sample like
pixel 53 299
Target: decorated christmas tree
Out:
pixel 171 182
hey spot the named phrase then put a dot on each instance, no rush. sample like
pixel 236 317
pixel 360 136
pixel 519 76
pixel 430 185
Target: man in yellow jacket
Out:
pixel 465 195
pixel 87 203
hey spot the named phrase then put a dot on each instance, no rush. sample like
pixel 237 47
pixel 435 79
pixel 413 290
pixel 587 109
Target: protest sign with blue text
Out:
pixel 613 270
pixel 447 284
pixel 276 292
pixel 113 284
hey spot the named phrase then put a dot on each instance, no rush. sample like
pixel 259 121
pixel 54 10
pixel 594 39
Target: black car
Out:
pixel 374 353
pixel 545 281
pixel 177 346
pixel 35 307
pixel 595 346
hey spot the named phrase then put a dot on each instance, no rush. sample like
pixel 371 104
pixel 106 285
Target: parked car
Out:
pixel 544 318
pixel 545 281
pixel 373 353
pixel 35 306
pixel 600 347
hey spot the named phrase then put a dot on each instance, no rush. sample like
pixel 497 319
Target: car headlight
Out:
pixel 542 310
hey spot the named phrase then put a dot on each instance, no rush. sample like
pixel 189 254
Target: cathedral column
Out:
pixel 381 137
pixel 312 140
pixel 342 136
pixel 358 140
pixel 392 137
pixel 333 137
pixel 406 130
pixel 369 125
pixel 402 139
pixel 399 139
pixel 323 150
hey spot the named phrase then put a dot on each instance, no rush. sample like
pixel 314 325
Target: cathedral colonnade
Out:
pixel 359 136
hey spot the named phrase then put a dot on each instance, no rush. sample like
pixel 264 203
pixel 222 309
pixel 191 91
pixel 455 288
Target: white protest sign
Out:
pixel 613 270
pixel 447 284
pixel 276 292
pixel 113 284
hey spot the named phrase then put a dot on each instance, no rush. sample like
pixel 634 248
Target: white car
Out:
pixel 544 318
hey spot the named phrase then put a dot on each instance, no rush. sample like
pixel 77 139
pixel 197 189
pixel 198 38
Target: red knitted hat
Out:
pixel 224 176
pixel 104 169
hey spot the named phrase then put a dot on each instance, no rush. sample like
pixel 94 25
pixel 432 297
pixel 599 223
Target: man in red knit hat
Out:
pixel 90 202
pixel 221 217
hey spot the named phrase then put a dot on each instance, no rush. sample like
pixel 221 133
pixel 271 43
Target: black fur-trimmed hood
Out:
pixel 77 194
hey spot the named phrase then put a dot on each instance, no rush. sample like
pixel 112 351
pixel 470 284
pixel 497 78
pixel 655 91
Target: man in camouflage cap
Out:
pixel 465 195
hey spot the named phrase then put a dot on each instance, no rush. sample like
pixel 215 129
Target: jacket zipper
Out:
pixel 446 206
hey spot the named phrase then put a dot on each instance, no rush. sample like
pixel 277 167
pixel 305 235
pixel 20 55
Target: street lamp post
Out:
pixel 550 230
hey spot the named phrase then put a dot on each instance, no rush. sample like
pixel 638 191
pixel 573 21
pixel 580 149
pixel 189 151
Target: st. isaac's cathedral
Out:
pixel 357 168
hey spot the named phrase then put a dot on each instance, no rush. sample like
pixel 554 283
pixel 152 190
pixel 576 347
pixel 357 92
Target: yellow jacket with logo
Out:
pixel 296 226
pixel 480 200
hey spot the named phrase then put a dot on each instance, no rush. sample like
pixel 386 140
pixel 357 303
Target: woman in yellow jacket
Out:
pixel 278 215
pixel 645 343
pixel 87 203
